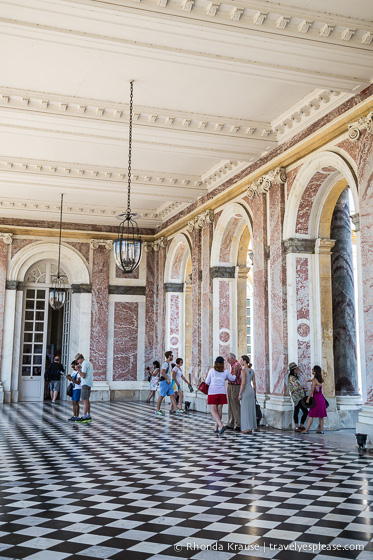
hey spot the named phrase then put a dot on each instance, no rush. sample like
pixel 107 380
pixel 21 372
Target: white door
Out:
pixel 33 350
pixel 65 351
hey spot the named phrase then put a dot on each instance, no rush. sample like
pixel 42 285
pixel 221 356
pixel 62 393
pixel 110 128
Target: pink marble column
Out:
pixel 100 306
pixel 126 322
pixel 150 310
pixel 365 179
pixel 160 305
pixel 224 318
pixel 196 304
pixel 175 313
pixel 3 267
pixel 206 300
pixel 278 304
pixel 260 299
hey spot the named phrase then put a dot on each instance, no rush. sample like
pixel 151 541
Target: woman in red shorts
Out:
pixel 217 395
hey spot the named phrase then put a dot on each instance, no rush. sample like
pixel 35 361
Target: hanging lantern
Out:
pixel 57 292
pixel 128 246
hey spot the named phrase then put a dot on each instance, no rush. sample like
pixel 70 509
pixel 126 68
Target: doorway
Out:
pixel 45 334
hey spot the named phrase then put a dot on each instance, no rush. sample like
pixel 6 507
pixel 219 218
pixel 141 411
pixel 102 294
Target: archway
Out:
pixel 322 264
pixel 28 316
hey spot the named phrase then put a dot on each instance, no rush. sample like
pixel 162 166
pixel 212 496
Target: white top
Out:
pixel 88 369
pixel 75 377
pixel 216 381
pixel 179 373
pixel 167 368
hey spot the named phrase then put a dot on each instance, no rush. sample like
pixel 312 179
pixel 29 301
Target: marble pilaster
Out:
pixel 343 298
pixel 126 325
pixel 196 303
pixel 278 292
pixel 5 241
pixel 99 310
pixel 242 273
pixel 260 299
pixel 150 317
pixel 206 299
pixel 160 304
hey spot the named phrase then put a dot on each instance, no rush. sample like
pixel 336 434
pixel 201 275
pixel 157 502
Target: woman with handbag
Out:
pixel 247 396
pixel 217 392
pixel 297 393
pixel 319 409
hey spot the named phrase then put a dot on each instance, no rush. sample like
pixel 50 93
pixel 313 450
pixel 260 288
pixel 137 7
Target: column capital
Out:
pixel 156 245
pixel 264 183
pixel 355 218
pixel 243 271
pixel 96 243
pixel 201 220
pixel 294 245
pixel 324 246
pixel 7 238
pixel 364 123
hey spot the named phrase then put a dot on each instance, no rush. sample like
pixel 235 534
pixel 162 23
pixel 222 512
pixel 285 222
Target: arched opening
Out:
pixel 35 332
pixel 327 304
pixel 233 282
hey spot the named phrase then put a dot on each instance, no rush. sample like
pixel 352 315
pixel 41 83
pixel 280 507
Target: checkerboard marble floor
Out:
pixel 134 486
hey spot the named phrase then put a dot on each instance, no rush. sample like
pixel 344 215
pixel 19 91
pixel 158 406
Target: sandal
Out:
pixel 320 431
pixel 247 432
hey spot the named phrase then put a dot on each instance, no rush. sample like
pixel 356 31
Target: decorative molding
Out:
pixel 294 245
pixel 81 288
pixel 364 123
pixel 222 272
pixel 201 220
pixel 355 218
pixel 173 287
pixel 156 245
pixel 7 238
pixel 324 246
pixel 243 271
pixel 96 243
pixel 11 285
pixel 49 103
pixel 127 290
pixel 264 183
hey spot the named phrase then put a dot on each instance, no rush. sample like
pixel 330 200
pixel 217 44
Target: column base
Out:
pixel 348 408
pixel 100 391
pixel 277 412
pixel 364 424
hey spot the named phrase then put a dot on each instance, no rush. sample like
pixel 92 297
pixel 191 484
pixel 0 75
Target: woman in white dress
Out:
pixel 154 380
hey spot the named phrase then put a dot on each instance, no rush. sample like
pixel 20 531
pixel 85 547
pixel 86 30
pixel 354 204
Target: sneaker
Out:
pixel 72 419
pixel 79 419
pixel 221 432
pixel 179 411
pixel 159 413
pixel 89 419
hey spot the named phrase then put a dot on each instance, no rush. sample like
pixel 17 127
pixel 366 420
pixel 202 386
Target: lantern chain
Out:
pixel 59 242
pixel 130 152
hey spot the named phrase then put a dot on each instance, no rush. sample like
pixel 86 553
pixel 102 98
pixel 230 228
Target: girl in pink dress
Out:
pixel 319 410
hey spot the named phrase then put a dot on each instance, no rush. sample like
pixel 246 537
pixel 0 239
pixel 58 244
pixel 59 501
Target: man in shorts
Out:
pixel 54 376
pixel 165 385
pixel 86 373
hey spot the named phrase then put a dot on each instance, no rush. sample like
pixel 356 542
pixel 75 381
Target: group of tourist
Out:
pixel 237 388
pixel 81 379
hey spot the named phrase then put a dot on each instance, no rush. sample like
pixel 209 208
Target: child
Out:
pixel 75 378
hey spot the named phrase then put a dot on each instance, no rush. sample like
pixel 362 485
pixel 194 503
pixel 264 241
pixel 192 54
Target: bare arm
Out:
pixel 312 390
pixel 243 382
pixel 254 383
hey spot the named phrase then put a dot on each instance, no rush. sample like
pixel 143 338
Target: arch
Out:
pixel 73 263
pixel 228 231
pixel 177 259
pixel 331 167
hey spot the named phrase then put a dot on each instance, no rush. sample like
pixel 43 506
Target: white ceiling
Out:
pixel 217 84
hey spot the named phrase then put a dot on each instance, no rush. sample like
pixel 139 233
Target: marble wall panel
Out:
pixel 131 275
pixel 224 318
pixel 19 244
pixel 291 175
pixel 278 302
pixel 365 178
pixel 82 248
pixel 100 307
pixel 126 325
pixel 260 299
pixel 307 200
pixel 3 269
pixel 150 310
pixel 303 318
pixel 226 243
pixel 352 148
pixel 206 300
pixel 176 271
pixel 196 304
pixel 160 304
pixel 175 301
